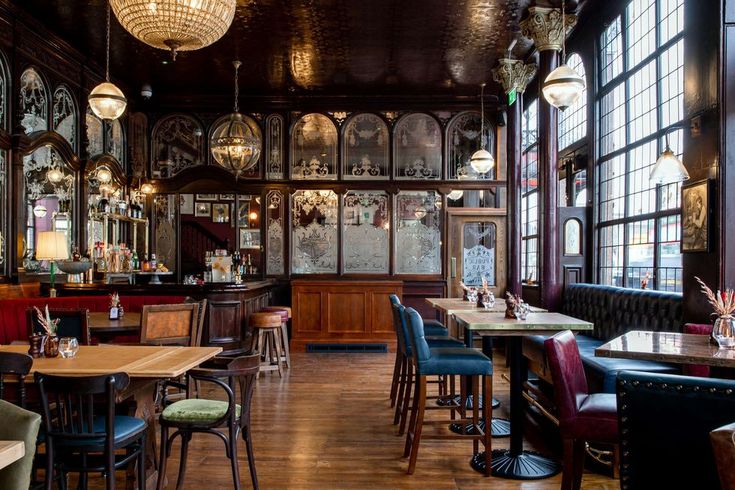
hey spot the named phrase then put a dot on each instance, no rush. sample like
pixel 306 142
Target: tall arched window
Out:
pixel 33 101
pixel 417 147
pixel 65 115
pixel 314 148
pixel 573 121
pixel 529 194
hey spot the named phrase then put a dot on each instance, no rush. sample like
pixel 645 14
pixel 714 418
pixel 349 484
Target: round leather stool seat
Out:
pixel 287 309
pixel 277 311
pixel 264 320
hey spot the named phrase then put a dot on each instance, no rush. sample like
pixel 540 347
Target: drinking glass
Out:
pixel 68 347
pixel 472 296
pixel 488 300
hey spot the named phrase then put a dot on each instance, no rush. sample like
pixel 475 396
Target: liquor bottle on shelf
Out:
pixel 134 262
pixel 145 265
pixel 153 263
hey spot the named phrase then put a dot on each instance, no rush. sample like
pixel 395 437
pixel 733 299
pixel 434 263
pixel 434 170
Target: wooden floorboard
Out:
pixel 327 424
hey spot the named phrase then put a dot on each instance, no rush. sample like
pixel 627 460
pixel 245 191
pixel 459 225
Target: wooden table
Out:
pixel 449 306
pixel 672 347
pixel 102 327
pixel 144 364
pixel 10 452
pixel 515 463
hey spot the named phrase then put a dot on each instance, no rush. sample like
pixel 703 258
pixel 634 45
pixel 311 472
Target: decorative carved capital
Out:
pixel 544 25
pixel 513 74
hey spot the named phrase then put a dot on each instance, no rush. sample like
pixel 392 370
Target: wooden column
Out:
pixel 543 26
pixel 514 75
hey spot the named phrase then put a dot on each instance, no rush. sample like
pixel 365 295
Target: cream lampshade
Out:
pixel 51 246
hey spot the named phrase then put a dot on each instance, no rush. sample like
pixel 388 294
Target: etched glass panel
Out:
pixel 417 146
pixel 314 232
pixel 365 148
pixel 365 229
pixel 314 148
pixel 33 104
pixel 3 93
pixel 418 233
pixel 478 253
pixel 178 143
pixel 275 211
pixel 572 237
pixel 463 139
pixel 95 134
pixel 274 145
pixel 116 140
pixel 164 219
pixel 3 215
pixel 65 116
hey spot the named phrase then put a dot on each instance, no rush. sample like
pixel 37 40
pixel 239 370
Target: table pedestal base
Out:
pixel 499 427
pixel 527 465
pixel 456 399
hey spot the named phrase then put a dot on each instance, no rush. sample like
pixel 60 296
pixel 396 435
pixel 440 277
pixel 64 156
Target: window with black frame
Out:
pixel 639 100
pixel 529 195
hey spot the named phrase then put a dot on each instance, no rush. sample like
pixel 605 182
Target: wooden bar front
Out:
pixel 342 311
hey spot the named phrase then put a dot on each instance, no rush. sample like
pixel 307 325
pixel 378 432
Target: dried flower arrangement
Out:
pixel 49 325
pixel 723 302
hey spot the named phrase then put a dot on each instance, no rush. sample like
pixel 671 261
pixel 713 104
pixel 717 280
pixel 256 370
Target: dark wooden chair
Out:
pixel 185 417
pixel 201 315
pixel 16 366
pixel 73 322
pixel 83 434
pixel 170 324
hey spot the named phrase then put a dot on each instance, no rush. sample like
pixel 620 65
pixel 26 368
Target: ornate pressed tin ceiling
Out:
pixel 331 47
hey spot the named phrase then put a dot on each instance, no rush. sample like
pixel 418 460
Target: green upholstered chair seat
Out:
pixel 196 410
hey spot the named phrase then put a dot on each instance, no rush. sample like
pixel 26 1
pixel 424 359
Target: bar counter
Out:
pixel 228 305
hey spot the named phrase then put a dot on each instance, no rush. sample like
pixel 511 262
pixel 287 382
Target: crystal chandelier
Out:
pixel 482 160
pixel 106 100
pixel 175 25
pixel 563 86
pixel 236 144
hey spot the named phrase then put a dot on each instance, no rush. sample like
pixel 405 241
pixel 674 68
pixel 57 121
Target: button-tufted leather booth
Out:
pixel 613 311
pixel 665 423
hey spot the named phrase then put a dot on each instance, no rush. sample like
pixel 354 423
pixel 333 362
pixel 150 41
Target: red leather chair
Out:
pixel 582 416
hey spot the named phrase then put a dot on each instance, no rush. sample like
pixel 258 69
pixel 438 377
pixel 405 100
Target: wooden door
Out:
pixel 476 245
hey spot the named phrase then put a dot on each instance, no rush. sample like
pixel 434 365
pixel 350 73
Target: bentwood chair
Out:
pixel 16 367
pixel 583 416
pixel 72 323
pixel 18 424
pixel 198 415
pixel 471 365
pixel 83 434
pixel 170 324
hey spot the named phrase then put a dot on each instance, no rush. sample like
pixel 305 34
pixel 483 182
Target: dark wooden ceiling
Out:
pixel 330 47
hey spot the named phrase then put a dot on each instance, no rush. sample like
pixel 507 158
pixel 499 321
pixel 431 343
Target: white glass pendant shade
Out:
pixel 104 175
pixel 55 175
pixel 563 87
pixel 668 169
pixel 175 25
pixel 420 212
pixel 147 188
pixel 107 101
pixel 235 144
pixel 455 195
pixel 482 161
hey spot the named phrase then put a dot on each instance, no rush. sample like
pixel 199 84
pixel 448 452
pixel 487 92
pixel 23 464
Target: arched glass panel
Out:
pixel 418 233
pixel 115 140
pixel 65 115
pixel 314 148
pixel 365 229
pixel 417 147
pixel 33 102
pixel 274 146
pixel 463 139
pixel 178 143
pixel 314 215
pixel 365 148
pixel 95 134
pixel 573 120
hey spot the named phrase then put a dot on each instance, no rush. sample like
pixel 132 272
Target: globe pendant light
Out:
pixel 563 86
pixel 668 169
pixel 234 144
pixel 106 100
pixel 175 25
pixel 482 161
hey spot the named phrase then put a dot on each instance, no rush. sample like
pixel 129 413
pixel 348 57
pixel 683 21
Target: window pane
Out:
pixel 612 189
pixel 573 121
pixel 641 192
pixel 669 252
pixel 365 229
pixel 611 61
pixel 642 103
pixel 580 188
pixel 640 252
pixel 612 120
pixel 641 38
pixel 529 134
pixel 671 63
pixel 671 13
pixel 611 255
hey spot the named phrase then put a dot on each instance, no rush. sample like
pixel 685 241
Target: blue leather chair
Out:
pixel 447 361
pixel 404 361
pixel 433 328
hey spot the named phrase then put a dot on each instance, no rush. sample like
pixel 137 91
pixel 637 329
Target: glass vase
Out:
pixel 51 346
pixel 723 333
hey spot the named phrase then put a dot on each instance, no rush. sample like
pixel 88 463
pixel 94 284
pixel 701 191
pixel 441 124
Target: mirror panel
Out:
pixel 314 218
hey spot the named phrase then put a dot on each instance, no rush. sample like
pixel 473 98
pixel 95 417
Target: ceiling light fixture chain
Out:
pixel 237 64
pixel 482 116
pixel 482 161
pixel 107 46
pixel 106 100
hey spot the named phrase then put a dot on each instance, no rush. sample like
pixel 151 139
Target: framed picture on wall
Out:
pixel 206 197
pixel 227 197
pixel 203 210
pixel 249 238
pixel 243 213
pixel 695 216
pixel 221 213
pixel 187 203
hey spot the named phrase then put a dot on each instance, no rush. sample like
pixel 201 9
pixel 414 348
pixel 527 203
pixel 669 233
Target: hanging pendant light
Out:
pixel 482 160
pixel 455 195
pixel 668 168
pixel 563 86
pixel 106 100
pixel 235 144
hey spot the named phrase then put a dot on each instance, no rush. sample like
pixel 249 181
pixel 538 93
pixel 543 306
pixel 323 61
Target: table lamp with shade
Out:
pixel 52 246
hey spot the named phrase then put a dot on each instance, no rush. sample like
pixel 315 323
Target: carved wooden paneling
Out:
pixel 347 312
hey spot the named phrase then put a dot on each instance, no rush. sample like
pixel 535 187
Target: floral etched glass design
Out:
pixel 164 219
pixel 3 93
pixel 479 253
pixel 115 140
pixel 365 229
pixel 365 148
pixel 65 115
pixel 274 146
pixel 33 103
pixel 274 225
pixel 314 232
pixel 417 147
pixel 463 139
pixel 314 148
pixel 178 143
pixel 95 134
pixel 418 233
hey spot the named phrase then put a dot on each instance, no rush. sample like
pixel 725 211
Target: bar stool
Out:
pixel 285 312
pixel 266 328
